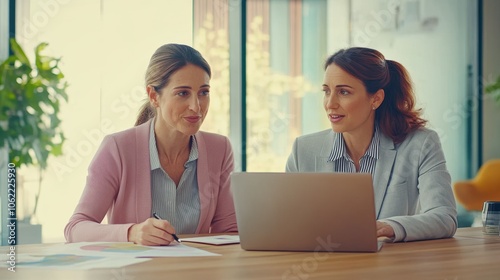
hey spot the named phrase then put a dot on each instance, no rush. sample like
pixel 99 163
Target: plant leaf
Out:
pixel 493 87
pixel 57 149
pixel 18 52
pixel 30 97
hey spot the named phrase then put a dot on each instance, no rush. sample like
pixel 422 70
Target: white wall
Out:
pixel 105 51
pixel 491 71
pixel 435 56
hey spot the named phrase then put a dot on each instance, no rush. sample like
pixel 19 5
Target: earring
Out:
pixel 374 108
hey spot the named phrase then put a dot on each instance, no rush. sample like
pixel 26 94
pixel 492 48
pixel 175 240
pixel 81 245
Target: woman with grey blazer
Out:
pixel 376 129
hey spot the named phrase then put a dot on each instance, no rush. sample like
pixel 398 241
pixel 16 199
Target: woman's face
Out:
pixel 348 105
pixel 183 103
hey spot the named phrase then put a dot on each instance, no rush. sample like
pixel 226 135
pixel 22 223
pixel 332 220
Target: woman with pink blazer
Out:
pixel 163 167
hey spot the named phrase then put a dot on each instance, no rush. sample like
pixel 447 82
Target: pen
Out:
pixel 173 234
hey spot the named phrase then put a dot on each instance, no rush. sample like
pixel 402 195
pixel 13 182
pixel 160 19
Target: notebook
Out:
pixel 323 212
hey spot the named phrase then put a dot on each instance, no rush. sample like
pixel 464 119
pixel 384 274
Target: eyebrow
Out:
pixel 337 86
pixel 188 87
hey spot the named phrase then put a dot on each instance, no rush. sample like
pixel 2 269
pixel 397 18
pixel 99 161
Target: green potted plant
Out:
pixel 494 90
pixel 30 99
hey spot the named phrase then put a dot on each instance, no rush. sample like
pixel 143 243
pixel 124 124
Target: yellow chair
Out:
pixel 485 186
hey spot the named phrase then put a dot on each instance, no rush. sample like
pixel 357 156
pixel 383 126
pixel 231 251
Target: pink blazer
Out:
pixel 119 185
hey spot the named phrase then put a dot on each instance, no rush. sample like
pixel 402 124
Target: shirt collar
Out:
pixel 373 148
pixel 154 159
pixel 339 149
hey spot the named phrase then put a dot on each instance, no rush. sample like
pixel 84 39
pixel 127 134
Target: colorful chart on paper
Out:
pixel 115 248
pixel 58 260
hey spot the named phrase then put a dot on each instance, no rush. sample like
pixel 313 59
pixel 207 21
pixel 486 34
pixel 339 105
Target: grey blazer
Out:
pixel 411 183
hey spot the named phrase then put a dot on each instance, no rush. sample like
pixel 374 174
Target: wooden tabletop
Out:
pixel 468 255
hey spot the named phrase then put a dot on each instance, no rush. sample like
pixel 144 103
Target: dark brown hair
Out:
pixel 167 60
pixel 396 116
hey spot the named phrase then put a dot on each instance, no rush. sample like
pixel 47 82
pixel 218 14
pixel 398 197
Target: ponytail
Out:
pixel 397 116
pixel 145 113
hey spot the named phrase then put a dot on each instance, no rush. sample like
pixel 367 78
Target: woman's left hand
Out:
pixel 385 230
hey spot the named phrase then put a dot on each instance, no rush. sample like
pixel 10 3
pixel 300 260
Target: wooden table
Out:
pixel 469 255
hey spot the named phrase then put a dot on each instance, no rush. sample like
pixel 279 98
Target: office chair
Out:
pixel 485 186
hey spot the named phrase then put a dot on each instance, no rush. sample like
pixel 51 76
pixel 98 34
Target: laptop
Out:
pixel 320 212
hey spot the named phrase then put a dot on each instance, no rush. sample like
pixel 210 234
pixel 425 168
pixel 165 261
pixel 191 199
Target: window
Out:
pixel 283 73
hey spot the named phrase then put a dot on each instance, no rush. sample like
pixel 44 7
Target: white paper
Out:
pixel 71 261
pixel 214 240
pixel 128 249
pixel 90 255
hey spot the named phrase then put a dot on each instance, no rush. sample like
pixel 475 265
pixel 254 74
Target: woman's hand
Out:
pixel 384 230
pixel 151 232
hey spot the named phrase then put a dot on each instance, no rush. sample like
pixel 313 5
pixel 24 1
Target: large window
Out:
pixel 286 45
pixel 211 38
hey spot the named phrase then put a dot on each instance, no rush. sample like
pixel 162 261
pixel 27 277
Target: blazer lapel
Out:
pixel 322 164
pixel 383 170
pixel 204 185
pixel 143 172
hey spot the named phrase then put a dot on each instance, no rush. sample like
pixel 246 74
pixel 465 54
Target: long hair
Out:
pixel 167 60
pixel 396 116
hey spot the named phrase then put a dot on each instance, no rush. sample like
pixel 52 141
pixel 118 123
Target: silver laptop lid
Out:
pixel 305 211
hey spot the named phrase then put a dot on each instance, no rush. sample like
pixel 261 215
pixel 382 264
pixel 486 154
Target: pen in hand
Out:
pixel 173 234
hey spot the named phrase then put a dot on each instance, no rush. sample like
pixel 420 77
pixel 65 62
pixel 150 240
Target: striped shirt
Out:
pixel 180 205
pixel 344 163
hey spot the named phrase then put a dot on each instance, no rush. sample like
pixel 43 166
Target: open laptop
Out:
pixel 332 212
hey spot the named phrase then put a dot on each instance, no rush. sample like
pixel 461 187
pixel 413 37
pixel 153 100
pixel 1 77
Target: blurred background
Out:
pixel 267 60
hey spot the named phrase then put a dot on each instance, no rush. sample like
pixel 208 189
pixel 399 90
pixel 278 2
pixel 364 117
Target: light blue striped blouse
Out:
pixel 180 205
pixel 344 163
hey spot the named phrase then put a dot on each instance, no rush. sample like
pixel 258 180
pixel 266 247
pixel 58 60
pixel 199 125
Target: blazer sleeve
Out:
pixel 103 183
pixel 292 164
pixel 438 215
pixel 224 219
